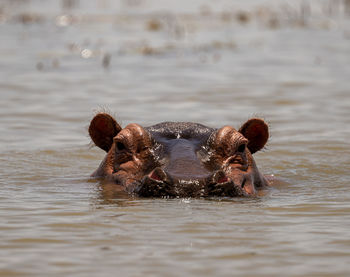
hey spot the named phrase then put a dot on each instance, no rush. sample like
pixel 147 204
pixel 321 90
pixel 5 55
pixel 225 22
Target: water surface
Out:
pixel 216 63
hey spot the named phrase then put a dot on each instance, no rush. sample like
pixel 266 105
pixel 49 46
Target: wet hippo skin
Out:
pixel 180 159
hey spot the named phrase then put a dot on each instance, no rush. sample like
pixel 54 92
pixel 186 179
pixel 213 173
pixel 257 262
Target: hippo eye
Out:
pixel 241 148
pixel 120 146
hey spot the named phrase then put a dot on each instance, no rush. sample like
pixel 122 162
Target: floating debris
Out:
pixel 106 61
pixel 243 17
pixel 65 20
pixel 273 23
pixel 154 25
pixel 29 18
pixel 86 53
pixel 147 50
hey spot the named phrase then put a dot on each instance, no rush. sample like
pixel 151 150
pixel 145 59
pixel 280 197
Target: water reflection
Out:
pixel 110 194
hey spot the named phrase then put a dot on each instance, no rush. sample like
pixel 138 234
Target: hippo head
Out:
pixel 180 159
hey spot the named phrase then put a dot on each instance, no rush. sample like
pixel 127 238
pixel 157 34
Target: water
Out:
pixel 215 63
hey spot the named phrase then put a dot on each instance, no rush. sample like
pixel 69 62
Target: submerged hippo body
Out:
pixel 180 159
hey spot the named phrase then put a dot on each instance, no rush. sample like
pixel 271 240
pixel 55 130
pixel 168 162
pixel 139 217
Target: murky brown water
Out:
pixel 212 62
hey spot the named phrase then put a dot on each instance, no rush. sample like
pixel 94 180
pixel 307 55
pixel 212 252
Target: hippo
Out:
pixel 180 159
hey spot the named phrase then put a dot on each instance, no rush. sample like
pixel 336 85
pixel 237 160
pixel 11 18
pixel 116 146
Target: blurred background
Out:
pixel 147 61
pixel 150 61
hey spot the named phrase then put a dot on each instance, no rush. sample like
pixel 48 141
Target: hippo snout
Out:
pixel 161 184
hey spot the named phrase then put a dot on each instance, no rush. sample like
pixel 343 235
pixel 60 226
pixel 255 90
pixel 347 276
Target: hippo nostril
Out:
pixel 158 174
pixel 155 176
pixel 243 183
pixel 219 177
pixel 223 179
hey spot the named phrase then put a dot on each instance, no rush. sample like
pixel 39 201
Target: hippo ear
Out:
pixel 103 128
pixel 257 133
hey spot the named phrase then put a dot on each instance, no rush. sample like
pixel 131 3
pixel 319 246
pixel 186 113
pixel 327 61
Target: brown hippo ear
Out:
pixel 257 133
pixel 103 128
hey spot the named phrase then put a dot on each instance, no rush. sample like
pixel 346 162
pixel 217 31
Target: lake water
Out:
pixel 148 61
